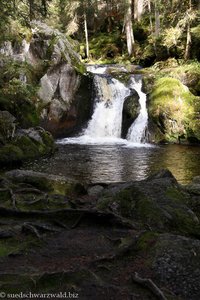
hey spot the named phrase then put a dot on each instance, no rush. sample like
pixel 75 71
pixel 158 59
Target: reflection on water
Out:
pixel 114 163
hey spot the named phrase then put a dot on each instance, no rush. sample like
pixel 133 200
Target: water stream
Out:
pixel 136 132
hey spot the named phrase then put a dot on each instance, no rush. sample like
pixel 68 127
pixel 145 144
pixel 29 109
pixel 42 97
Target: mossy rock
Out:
pixel 10 154
pixel 174 110
pixel 158 203
pixel 51 183
pixel 26 145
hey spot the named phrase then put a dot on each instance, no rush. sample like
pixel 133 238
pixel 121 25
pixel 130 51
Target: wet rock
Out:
pixel 95 190
pixel 164 173
pixel 131 110
pixel 194 186
pixel 43 181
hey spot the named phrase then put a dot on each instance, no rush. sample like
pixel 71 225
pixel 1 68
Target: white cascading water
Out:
pixel 136 133
pixel 106 122
pixel 107 117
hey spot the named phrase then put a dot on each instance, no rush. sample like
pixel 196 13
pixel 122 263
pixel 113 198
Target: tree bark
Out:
pixel 188 41
pixel 129 27
pixel 138 9
pixel 86 35
pixel 31 9
pixel 157 20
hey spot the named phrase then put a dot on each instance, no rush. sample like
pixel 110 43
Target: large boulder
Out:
pixel 173 112
pixel 158 203
pixel 46 182
pixel 48 82
pixel 26 144
pixel 62 81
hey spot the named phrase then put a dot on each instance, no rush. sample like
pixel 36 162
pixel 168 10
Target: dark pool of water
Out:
pixel 114 163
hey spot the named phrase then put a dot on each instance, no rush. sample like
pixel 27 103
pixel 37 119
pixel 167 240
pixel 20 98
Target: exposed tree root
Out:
pixel 13 199
pixel 28 190
pixel 95 216
pixel 78 221
pixel 148 283
pixel 29 228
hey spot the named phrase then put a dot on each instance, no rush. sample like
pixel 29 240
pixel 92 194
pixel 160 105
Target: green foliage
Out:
pixel 6 11
pixel 106 46
pixel 16 96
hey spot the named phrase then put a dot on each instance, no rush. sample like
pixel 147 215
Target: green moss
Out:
pixel 174 109
pixel 149 213
pixel 183 220
pixel 104 203
pixel 19 98
pixel 15 245
pixel 106 47
pixel 176 195
pixel 126 202
pixel 30 149
pixel 147 240
pixel 5 250
pixel 9 154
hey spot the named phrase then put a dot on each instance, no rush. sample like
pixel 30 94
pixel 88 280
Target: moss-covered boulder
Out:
pixel 45 182
pixel 27 144
pixel 174 112
pixel 158 203
pixel 61 82
pixel 43 80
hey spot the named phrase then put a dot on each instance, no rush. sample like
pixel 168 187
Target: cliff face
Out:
pixel 42 87
pixel 57 75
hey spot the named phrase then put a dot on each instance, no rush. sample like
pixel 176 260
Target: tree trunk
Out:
pixel 151 26
pixel 150 17
pixel 31 10
pixel 44 5
pixel 129 27
pixel 86 35
pixel 188 42
pixel 157 20
pixel 138 9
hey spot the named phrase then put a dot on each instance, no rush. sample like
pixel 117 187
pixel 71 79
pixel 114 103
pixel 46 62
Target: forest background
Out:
pixel 112 31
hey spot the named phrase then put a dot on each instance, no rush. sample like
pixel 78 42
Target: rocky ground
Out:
pixel 136 240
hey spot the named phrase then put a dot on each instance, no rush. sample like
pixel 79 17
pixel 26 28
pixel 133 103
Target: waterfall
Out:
pixel 107 117
pixel 136 133
pixel 105 125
